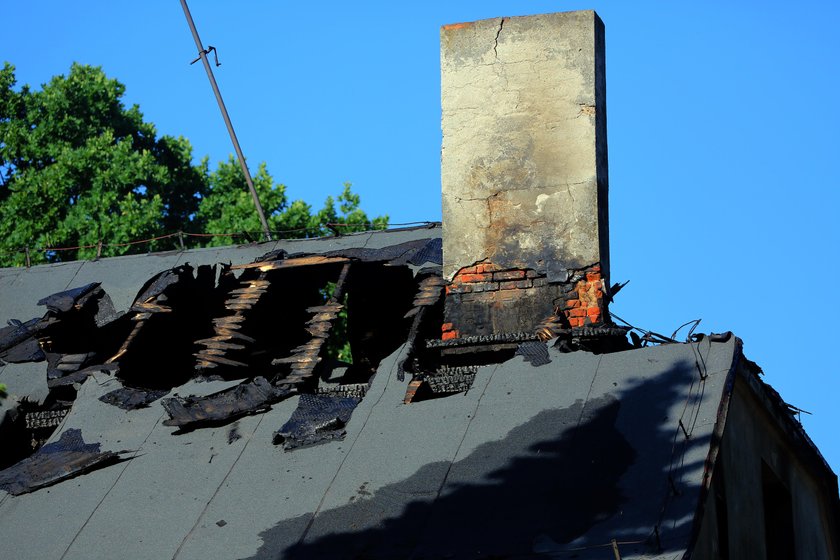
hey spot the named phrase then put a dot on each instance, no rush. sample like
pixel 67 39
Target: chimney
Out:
pixel 524 173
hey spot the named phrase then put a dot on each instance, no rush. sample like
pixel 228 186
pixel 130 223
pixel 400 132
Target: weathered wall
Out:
pixel 753 435
pixel 524 160
pixel 524 157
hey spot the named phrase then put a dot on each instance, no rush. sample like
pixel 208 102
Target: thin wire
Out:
pixel 319 228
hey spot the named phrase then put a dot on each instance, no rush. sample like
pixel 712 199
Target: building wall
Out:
pixel 754 441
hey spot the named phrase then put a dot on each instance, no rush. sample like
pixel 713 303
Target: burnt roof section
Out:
pixel 549 452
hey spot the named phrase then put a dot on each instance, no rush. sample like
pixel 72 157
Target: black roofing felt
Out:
pixel 560 459
pixel 68 456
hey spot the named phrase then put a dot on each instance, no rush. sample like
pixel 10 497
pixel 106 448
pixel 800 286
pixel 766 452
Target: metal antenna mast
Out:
pixel 202 54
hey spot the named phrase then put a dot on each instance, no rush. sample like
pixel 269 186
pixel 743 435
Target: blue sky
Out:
pixel 722 122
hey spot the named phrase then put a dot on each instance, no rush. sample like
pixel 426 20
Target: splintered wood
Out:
pixel 303 360
pixel 240 301
pixel 429 293
pixel 143 312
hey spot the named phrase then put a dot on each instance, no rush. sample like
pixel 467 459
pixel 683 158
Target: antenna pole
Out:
pixel 202 53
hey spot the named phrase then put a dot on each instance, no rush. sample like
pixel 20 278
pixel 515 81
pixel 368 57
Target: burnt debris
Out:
pixel 314 325
pixel 65 458
pixel 534 352
pixel 130 398
pixel 221 407
pixel 18 342
pixel 317 418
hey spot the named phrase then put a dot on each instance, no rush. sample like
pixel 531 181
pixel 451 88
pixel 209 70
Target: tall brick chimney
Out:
pixel 524 173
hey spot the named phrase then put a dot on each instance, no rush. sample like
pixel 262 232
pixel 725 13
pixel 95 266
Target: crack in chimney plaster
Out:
pixel 496 42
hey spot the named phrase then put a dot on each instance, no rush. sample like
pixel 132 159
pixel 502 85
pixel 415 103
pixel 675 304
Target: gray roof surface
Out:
pixel 558 459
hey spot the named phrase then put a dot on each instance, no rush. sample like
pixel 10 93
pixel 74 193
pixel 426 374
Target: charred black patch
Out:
pixel 68 457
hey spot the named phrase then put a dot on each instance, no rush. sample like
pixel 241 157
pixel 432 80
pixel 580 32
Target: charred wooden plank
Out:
pixel 127 342
pixel 252 289
pixel 296 358
pixel 150 307
pixel 238 306
pixel 322 317
pixel 327 307
pixel 338 293
pixel 219 344
pixel 266 266
pixel 246 398
pixel 253 297
pixel 225 334
pixel 206 356
pixel 314 344
pixel 210 351
pixel 318 332
pixel 228 320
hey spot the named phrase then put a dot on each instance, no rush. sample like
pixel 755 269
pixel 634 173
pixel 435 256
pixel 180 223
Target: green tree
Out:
pixel 77 167
pixel 227 208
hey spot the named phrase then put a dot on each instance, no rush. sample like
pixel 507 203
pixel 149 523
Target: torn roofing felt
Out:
pixel 317 418
pixel 65 458
pixel 194 321
pixel 493 457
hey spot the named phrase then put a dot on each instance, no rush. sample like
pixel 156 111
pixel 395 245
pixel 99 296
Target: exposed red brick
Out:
pixel 531 273
pixel 596 268
pixel 468 270
pixel 449 335
pixel 593 277
pixel 577 312
pixel 485 277
pixel 576 321
pixel 593 312
pixel 507 285
pixel 454 26
pixel 522 283
pixel 509 275
pixel 459 289
pixel 570 303
pixel 446 327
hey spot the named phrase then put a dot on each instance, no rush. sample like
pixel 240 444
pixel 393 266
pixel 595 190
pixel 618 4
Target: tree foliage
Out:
pixel 79 168
pixel 227 207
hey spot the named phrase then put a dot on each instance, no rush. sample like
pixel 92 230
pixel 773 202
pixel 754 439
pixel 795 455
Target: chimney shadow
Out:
pixel 566 481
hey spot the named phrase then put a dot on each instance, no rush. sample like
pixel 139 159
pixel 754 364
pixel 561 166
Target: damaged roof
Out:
pixel 568 454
